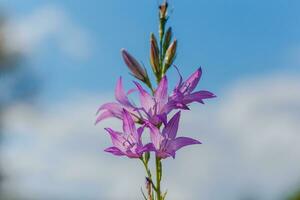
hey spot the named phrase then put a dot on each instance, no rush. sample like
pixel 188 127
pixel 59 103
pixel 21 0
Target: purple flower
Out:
pixel 154 106
pixel 165 143
pixel 184 93
pixel 115 109
pixel 127 143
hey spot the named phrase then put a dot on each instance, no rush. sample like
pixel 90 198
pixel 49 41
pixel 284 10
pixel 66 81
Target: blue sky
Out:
pixel 231 40
pixel 250 54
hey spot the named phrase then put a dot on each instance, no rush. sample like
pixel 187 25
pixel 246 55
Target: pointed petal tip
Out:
pixel 211 95
pixel 173 154
pixel 198 142
pixel 137 84
pixel 109 130
pixel 199 71
pixel 102 116
pixel 96 122
pixel 119 82
pixel 176 116
pixel 193 141
pixel 139 87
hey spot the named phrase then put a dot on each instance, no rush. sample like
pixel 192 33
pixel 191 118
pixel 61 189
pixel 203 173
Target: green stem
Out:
pixel 158 178
pixel 149 176
pixel 162 24
pixel 147 169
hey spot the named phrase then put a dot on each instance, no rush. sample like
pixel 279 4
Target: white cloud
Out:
pixel 26 34
pixel 250 148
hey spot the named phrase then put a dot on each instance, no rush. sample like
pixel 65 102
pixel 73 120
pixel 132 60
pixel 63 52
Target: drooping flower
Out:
pixel 154 106
pixel 184 94
pixel 165 143
pixel 115 109
pixel 127 143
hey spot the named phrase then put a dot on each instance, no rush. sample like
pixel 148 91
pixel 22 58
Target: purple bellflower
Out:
pixel 165 143
pixel 127 143
pixel 184 94
pixel 154 106
pixel 115 109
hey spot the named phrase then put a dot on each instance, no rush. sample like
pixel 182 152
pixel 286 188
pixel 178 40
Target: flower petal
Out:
pixel 140 131
pixel 180 142
pixel 190 84
pixel 131 91
pixel 198 96
pixel 163 118
pixel 106 114
pixel 155 136
pixel 128 123
pixel 116 139
pixel 146 99
pixel 115 151
pixel 170 130
pixel 147 148
pixel 161 93
pixel 112 106
pixel 120 94
pixel 179 84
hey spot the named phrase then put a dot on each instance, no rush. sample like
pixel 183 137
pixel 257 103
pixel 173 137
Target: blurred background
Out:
pixel 60 59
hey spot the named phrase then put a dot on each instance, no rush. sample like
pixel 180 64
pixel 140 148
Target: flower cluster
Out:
pixel 158 111
pixel 152 113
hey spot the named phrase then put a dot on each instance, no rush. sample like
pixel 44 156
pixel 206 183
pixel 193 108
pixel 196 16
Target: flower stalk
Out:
pixel 155 109
pixel 158 177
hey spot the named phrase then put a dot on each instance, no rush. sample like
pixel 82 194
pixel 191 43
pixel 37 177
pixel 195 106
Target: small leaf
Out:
pixel 164 195
pixel 147 157
pixel 145 198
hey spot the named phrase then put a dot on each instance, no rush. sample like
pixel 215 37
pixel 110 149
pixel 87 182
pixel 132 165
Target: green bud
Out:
pixel 163 10
pixel 154 55
pixel 167 39
pixel 134 66
pixel 162 18
pixel 170 55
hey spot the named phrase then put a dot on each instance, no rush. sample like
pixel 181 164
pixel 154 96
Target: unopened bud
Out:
pixel 167 40
pixel 154 55
pixel 162 18
pixel 170 55
pixel 163 10
pixel 134 66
